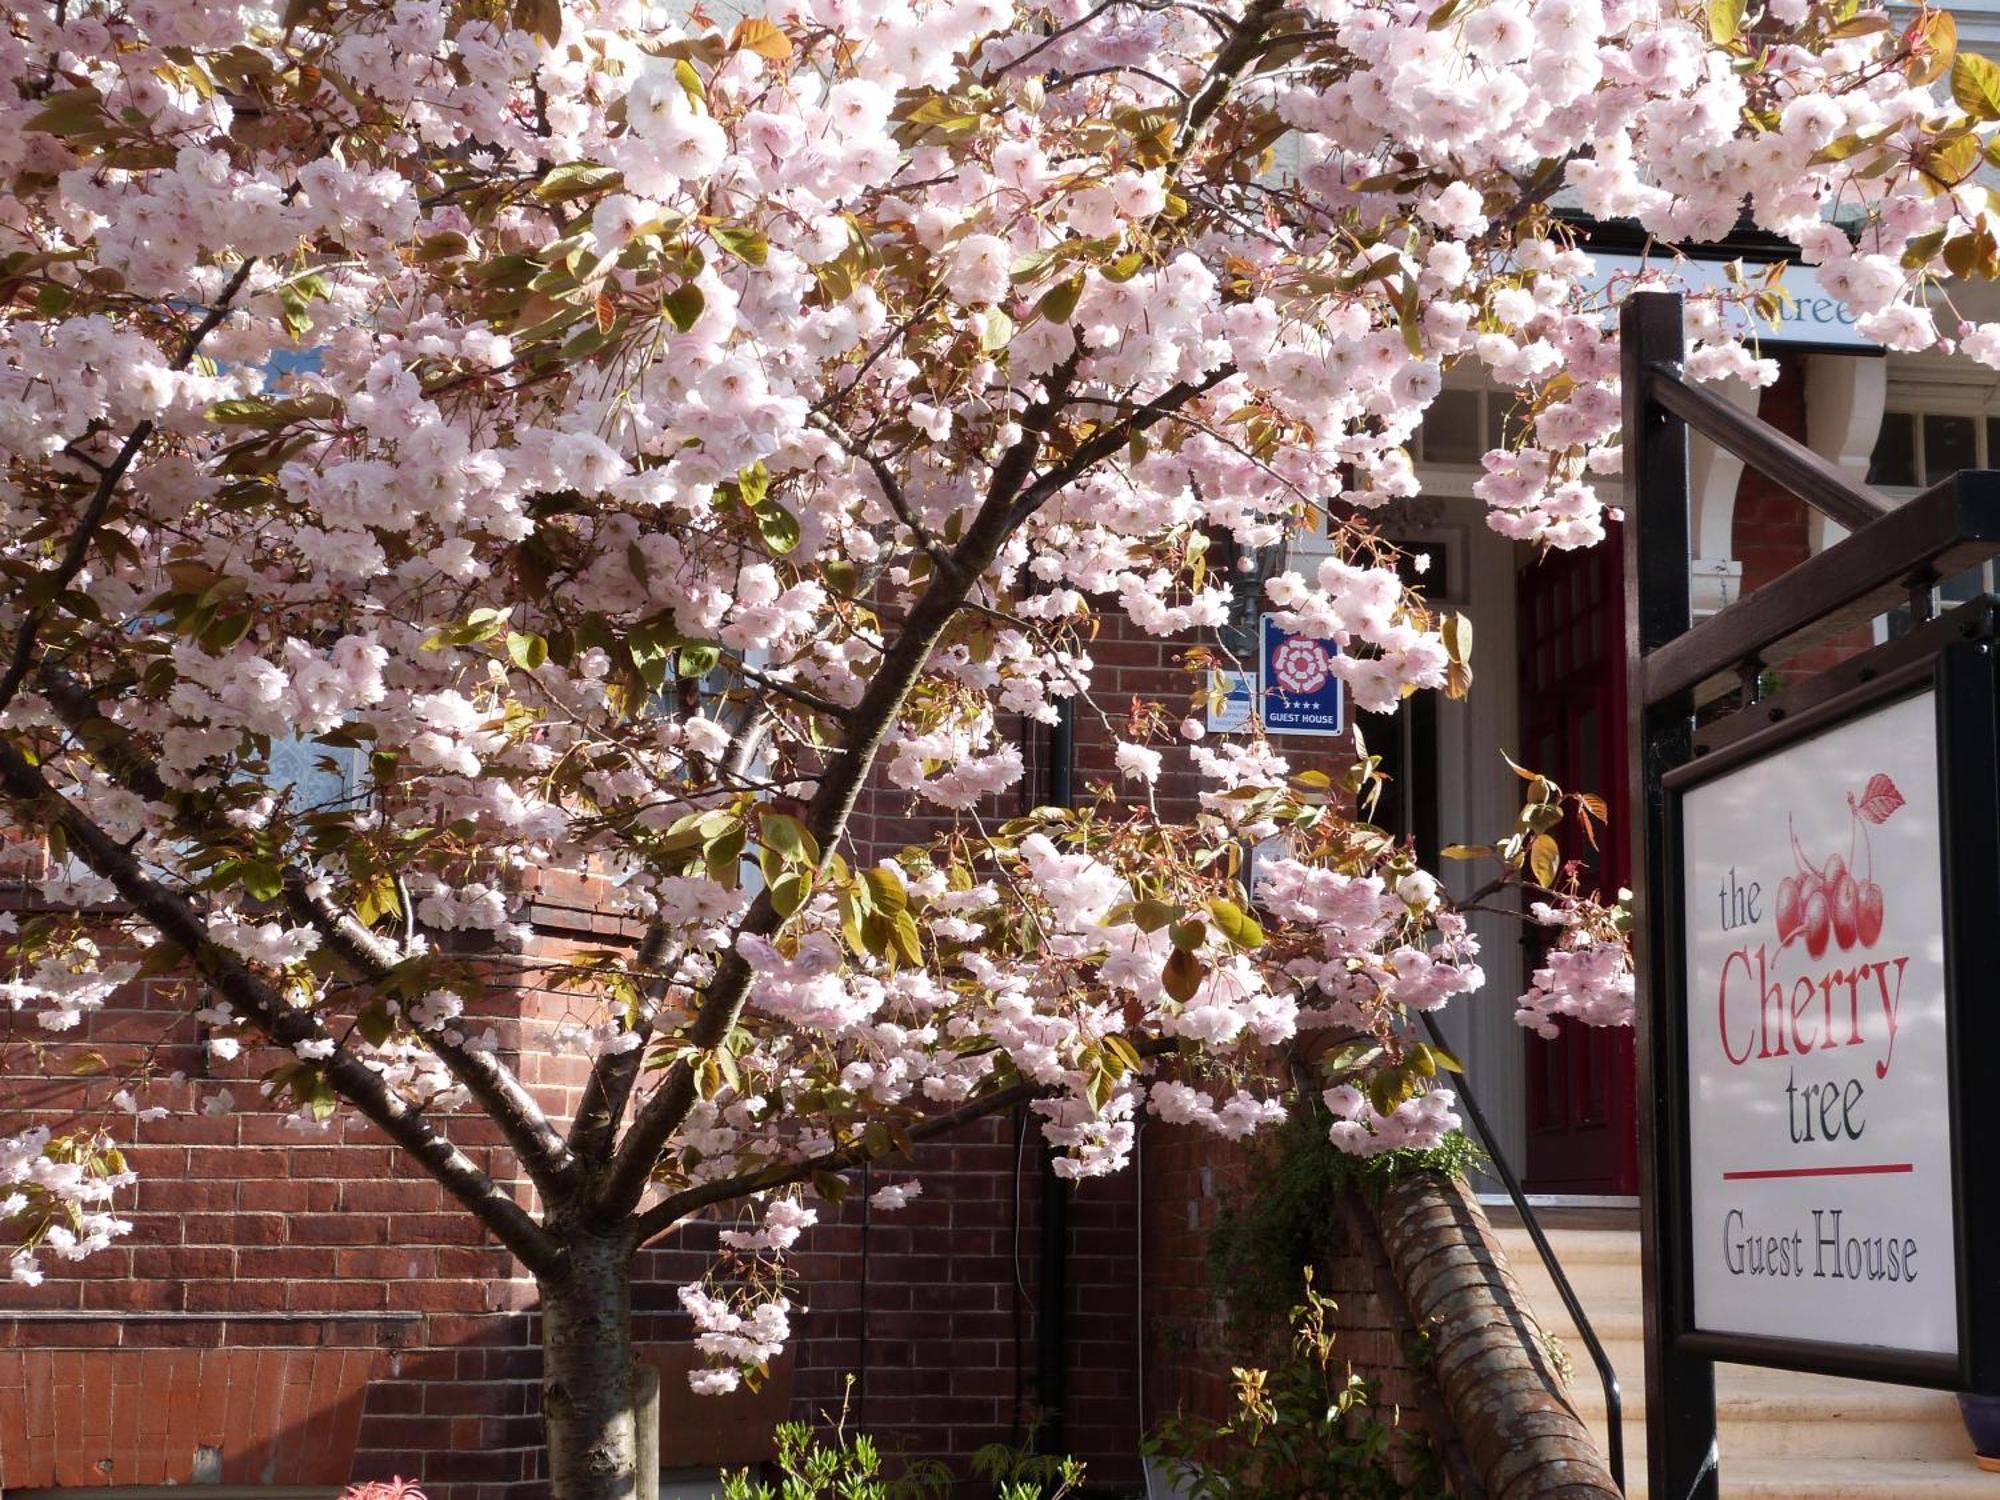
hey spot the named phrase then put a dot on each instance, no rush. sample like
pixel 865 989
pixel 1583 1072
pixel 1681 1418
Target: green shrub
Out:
pixel 849 1466
pixel 1268 1234
pixel 1310 1429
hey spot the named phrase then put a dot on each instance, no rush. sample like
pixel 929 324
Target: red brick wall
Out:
pixel 1772 530
pixel 1190 1179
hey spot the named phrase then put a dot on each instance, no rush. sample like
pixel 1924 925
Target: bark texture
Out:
pixel 587 1372
pixel 1493 1369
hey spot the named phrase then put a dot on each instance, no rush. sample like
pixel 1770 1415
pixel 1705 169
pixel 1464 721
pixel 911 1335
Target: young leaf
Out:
pixel 755 34
pixel 1975 85
pixel 1236 924
pixel 1544 860
pixel 528 651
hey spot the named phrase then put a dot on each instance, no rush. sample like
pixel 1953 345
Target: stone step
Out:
pixel 1778 1413
pixel 1783 1433
pixel 1880 1479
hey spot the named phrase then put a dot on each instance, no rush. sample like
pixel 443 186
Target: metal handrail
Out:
pixel 1614 1404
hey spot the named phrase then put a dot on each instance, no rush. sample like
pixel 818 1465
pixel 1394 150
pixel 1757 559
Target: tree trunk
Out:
pixel 587 1381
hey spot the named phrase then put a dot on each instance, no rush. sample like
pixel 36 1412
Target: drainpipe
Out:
pixel 1051 1345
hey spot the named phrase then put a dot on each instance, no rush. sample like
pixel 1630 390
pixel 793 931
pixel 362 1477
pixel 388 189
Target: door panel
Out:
pixel 1582 1124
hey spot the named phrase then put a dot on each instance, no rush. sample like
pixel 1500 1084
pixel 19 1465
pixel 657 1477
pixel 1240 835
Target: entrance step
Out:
pixel 1784 1435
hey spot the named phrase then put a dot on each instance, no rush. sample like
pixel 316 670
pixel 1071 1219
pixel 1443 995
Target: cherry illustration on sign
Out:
pixel 1826 902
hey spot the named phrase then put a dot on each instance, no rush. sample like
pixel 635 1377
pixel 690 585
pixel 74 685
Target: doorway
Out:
pixel 1582 1127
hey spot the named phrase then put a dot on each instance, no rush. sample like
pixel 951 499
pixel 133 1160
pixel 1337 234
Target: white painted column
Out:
pixel 1713 474
pixel 1845 395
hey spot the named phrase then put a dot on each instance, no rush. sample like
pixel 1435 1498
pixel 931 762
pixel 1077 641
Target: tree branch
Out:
pixel 892 491
pixel 1109 440
pixel 1231 58
pixel 77 553
pixel 250 995
pixel 662 1216
pixel 612 1075
pixel 609 1088
pixel 516 1111
pixel 540 1148
pixel 868 724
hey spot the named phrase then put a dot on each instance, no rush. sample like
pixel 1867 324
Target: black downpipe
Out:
pixel 1052 1295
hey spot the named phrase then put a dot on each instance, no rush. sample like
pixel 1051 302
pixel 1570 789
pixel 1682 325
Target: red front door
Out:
pixel 1582 1125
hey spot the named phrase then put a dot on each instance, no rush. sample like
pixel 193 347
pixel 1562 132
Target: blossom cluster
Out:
pixel 1586 973
pixel 55 1193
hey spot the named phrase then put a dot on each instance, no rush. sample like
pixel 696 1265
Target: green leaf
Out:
pixel 1126 1054
pixel 778 527
pixel 1060 300
pixel 753 484
pixel 1234 923
pixel 1725 20
pixel 690 82
pixel 696 659
pixel 1544 859
pixel 909 943
pixel 1151 916
pixel 263 882
pixel 684 305
pixel 576 179
pixel 264 411
pixel 375 1024
pixel 69 112
pixel 787 835
pixel 1975 85
pixel 789 891
pixel 528 650
pixel 746 244
pixel 999 328
pixel 723 854
pixel 886 889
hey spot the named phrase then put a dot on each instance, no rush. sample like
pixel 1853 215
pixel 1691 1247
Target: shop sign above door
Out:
pixel 1813 319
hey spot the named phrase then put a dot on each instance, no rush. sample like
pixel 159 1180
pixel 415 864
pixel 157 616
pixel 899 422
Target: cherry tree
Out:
pixel 632 433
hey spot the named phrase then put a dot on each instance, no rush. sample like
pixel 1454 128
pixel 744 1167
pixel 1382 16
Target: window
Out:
pixel 320 777
pixel 1460 426
pixel 1915 449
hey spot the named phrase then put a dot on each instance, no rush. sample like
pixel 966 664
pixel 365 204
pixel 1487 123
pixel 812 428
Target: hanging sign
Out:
pixel 1819 1149
pixel 1826 954
pixel 1297 691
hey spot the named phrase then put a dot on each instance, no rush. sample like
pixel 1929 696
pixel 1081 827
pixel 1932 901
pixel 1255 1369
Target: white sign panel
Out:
pixel 1814 316
pixel 1819 1094
pixel 1229 695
